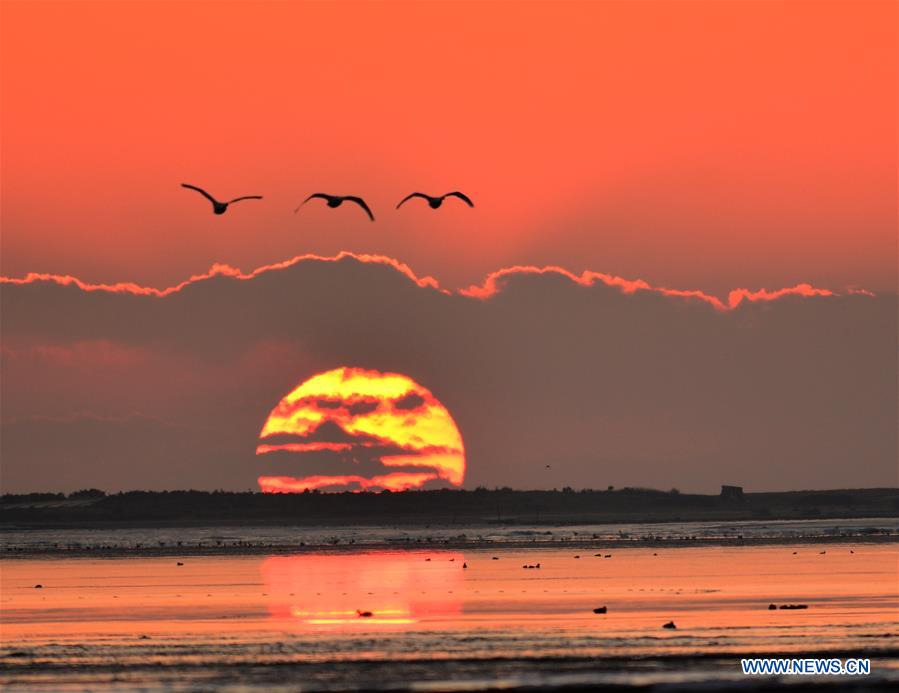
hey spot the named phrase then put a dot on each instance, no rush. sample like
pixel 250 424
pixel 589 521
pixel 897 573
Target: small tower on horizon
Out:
pixel 732 493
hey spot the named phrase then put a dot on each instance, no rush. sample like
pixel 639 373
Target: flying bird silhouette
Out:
pixel 435 202
pixel 335 201
pixel 219 207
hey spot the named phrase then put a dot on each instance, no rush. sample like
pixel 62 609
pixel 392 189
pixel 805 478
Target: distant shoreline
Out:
pixel 446 508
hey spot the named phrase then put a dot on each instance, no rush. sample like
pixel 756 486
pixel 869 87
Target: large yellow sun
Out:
pixel 373 430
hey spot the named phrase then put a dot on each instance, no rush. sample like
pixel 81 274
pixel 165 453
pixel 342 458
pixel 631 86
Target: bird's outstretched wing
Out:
pixel 359 201
pixel 409 197
pixel 201 191
pixel 311 197
pixel 246 197
pixel 461 196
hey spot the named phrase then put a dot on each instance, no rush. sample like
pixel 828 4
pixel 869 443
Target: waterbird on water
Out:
pixel 335 201
pixel 435 202
pixel 219 207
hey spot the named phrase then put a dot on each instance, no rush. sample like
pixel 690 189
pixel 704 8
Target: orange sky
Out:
pixel 695 145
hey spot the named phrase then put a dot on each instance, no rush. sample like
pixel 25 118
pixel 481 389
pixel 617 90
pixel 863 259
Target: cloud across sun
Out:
pixel 393 432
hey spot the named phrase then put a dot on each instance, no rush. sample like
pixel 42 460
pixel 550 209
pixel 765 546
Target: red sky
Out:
pixel 695 145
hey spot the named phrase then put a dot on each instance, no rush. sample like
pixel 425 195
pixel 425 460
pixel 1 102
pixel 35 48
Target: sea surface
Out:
pixel 445 618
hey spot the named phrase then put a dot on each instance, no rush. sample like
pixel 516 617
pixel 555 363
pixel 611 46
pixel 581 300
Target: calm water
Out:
pixel 292 621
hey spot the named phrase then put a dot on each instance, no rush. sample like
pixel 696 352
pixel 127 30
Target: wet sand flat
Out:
pixel 264 621
pixel 33 542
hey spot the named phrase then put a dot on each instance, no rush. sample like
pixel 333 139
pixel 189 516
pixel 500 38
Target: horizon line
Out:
pixel 477 489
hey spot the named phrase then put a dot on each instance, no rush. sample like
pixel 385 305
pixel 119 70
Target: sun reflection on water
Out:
pixel 362 590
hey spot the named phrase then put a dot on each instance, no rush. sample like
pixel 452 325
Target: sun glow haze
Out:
pixel 384 415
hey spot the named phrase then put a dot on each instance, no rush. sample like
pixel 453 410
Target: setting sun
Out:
pixel 358 415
